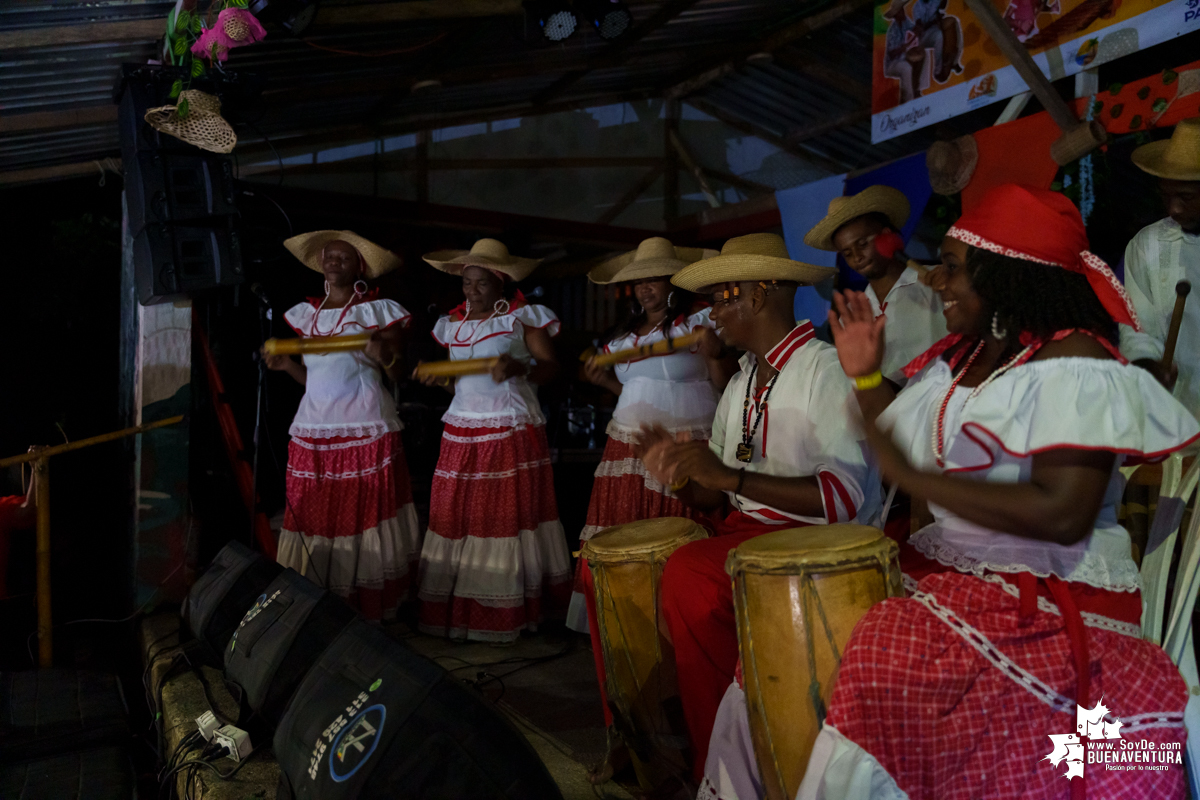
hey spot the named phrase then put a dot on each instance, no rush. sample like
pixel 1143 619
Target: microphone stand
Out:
pixel 264 330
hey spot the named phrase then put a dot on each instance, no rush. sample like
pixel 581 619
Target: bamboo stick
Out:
pixel 661 347
pixel 449 369
pixel 316 344
pixel 101 439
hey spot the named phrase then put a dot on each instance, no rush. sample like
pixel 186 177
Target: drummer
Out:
pixel 1012 430
pixel 785 451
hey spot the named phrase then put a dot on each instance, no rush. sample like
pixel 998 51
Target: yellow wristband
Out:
pixel 675 487
pixel 868 381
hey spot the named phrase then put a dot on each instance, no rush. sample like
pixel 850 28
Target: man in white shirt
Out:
pixel 785 452
pixel 914 320
pixel 1161 255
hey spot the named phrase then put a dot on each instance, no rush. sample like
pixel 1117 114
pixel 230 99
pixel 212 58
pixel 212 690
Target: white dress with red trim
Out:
pixel 954 691
pixel 495 558
pixel 672 390
pixel 350 524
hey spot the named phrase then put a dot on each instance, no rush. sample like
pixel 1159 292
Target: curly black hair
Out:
pixel 681 304
pixel 1037 298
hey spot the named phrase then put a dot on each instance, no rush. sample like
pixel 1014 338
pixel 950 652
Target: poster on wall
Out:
pixel 932 60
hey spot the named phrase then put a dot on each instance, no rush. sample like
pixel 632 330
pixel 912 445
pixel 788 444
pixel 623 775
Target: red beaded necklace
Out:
pixel 939 429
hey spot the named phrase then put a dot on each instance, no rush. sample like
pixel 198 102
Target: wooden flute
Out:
pixel 661 347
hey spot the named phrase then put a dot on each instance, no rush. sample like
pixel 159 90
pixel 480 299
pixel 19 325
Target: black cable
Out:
pixel 273 150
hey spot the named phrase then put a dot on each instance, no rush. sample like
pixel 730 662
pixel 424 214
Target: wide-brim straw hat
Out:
pixel 486 253
pixel 655 257
pixel 1177 158
pixel 308 247
pixel 754 257
pixel 202 125
pixel 951 164
pixel 882 199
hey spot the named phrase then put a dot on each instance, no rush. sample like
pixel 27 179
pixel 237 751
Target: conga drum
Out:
pixel 627 565
pixel 798 594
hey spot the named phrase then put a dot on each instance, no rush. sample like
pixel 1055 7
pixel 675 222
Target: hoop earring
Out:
pixel 997 331
pixel 364 288
pixel 670 298
pixel 501 307
pixel 326 288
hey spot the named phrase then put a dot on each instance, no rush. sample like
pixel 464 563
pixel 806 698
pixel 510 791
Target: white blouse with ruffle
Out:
pixel 480 402
pixel 343 393
pixel 671 390
pixel 1072 403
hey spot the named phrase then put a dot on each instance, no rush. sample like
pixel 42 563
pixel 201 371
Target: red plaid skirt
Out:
pixel 946 720
pixel 350 524
pixel 495 557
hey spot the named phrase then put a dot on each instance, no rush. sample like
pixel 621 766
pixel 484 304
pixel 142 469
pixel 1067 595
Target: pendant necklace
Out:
pixel 745 450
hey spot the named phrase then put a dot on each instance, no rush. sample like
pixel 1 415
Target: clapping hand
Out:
pixel 857 333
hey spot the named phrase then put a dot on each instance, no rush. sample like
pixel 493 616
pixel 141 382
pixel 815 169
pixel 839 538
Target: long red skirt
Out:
pixel 495 558
pixel 350 524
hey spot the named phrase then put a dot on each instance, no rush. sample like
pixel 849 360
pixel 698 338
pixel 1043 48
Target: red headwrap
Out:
pixel 1044 227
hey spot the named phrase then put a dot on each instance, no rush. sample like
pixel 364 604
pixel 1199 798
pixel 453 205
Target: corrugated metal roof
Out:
pixel 483 63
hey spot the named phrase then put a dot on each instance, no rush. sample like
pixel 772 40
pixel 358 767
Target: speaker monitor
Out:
pixel 279 639
pixel 164 187
pixel 219 598
pixel 171 262
pixel 373 720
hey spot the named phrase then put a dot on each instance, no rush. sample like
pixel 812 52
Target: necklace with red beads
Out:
pixel 939 428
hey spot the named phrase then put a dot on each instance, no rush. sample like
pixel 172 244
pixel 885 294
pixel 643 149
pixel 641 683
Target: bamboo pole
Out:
pixel 316 344
pixel 661 347
pixel 446 369
pixel 101 439
pixel 45 624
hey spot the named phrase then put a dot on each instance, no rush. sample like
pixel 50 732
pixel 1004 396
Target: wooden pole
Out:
pixel 101 439
pixel 1181 292
pixel 693 166
pixel 45 625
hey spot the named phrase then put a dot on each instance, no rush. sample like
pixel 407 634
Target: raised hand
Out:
pixel 857 333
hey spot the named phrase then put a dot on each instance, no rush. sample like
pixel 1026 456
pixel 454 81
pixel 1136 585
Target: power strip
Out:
pixel 235 741
pixel 207 724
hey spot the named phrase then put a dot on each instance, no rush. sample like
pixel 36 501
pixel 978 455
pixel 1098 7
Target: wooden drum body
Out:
pixel 798 595
pixel 627 564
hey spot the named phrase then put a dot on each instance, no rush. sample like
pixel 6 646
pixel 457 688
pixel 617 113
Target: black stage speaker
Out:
pixel 279 639
pixel 103 773
pixel 373 720
pixel 50 711
pixel 219 598
pixel 180 200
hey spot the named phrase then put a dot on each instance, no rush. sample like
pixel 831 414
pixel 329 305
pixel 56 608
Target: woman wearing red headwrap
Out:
pixel 1024 599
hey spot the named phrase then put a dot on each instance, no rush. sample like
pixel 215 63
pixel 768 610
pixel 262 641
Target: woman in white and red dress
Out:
pixel 495 558
pixel 678 391
pixel 349 524
pixel 1024 599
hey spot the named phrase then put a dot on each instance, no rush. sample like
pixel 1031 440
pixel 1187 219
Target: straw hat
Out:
pixel 202 125
pixel 308 247
pixel 1177 158
pixel 883 199
pixel 655 257
pixel 892 9
pixel 487 253
pixel 755 257
pixel 951 164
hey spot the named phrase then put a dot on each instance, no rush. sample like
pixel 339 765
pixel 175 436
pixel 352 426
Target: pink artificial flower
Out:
pixel 237 27
pixel 205 45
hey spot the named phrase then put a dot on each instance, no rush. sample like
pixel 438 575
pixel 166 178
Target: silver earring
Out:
pixel 364 286
pixel 997 331
pixel 501 306
pixel 670 298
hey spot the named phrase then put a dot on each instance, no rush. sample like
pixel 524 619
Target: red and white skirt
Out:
pixel 350 524
pixel 495 557
pixel 624 491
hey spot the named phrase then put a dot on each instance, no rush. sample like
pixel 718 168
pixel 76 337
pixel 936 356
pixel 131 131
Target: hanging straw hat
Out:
pixel 489 254
pixel 308 248
pixel 755 257
pixel 655 257
pixel 882 199
pixel 202 125
pixel 951 164
pixel 1177 158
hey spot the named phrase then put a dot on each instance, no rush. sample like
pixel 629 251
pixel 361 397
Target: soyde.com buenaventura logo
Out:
pixel 1099 742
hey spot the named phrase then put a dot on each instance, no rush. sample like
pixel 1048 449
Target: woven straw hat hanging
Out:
pixel 202 126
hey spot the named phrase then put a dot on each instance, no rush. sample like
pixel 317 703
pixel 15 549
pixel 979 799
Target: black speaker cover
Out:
pixel 219 598
pixel 49 711
pixel 280 638
pixel 164 187
pixel 373 720
pixel 171 262
pixel 99 774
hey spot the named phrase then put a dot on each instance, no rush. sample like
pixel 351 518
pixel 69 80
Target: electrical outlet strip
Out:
pixel 235 741
pixel 207 724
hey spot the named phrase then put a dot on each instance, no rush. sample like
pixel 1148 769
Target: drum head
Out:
pixel 640 538
pixel 819 544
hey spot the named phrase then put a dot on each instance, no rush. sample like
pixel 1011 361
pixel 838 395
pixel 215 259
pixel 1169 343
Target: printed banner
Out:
pixel 932 60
